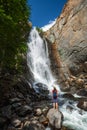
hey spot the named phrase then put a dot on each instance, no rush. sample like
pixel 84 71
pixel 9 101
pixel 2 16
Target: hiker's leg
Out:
pixel 56 105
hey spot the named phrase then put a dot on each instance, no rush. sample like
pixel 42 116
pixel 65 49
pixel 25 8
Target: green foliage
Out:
pixel 14 29
pixel 40 31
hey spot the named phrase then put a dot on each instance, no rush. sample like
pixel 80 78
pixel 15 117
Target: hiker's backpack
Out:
pixel 54 94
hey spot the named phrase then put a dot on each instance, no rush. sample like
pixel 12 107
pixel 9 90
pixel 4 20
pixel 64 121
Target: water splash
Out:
pixel 75 119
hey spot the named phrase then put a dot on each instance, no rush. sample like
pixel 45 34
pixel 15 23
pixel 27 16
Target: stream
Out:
pixel 39 64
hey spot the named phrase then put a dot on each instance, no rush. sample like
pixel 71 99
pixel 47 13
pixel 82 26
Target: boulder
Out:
pixel 55 118
pixel 24 110
pixel 16 105
pixel 45 110
pixel 68 95
pixel 33 126
pixel 41 88
pixel 82 105
pixel 69 108
pixel 43 120
pixel 38 112
pixel 16 123
pixel 80 82
pixel 14 100
pixel 82 92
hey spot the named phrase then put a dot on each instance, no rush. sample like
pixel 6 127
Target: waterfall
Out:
pixel 38 59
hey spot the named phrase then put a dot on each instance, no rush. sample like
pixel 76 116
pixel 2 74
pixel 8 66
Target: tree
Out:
pixel 14 29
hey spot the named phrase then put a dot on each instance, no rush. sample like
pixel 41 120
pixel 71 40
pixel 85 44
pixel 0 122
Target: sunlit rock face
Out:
pixel 70 35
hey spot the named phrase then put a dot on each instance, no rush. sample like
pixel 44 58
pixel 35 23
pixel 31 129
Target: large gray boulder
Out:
pixel 55 118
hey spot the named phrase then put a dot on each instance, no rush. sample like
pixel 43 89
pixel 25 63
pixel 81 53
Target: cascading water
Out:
pixel 39 64
pixel 76 118
pixel 38 59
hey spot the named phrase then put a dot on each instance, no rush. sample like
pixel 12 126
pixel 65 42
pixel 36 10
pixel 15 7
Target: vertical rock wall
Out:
pixel 70 35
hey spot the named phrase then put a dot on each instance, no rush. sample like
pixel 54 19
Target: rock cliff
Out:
pixel 69 35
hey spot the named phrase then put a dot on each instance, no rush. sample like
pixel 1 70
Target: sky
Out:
pixel 44 12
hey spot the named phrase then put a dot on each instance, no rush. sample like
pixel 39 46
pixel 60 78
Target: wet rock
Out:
pixel 69 108
pixel 42 119
pixel 65 128
pixel 32 126
pixel 20 95
pixel 16 123
pixel 14 100
pixel 65 89
pixel 61 101
pixel 22 111
pixel 42 89
pixel 38 112
pixel 55 118
pixel 82 92
pixel 73 90
pixel 16 105
pixel 68 95
pixel 82 105
pixel 24 90
pixel 80 82
pixel 45 110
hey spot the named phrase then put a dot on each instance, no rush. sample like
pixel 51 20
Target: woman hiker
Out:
pixel 55 96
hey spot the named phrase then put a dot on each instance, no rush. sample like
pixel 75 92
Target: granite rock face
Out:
pixel 70 35
pixel 55 118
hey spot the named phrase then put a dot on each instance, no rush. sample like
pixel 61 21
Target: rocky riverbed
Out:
pixel 24 109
